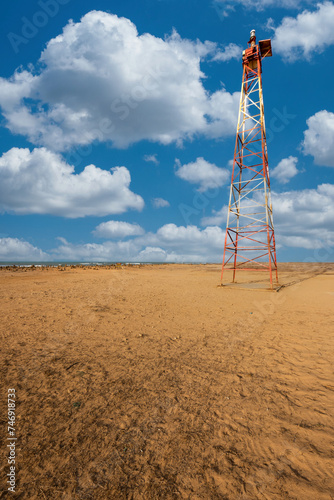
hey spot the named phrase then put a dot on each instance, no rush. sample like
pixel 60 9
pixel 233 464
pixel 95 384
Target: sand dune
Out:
pixel 153 383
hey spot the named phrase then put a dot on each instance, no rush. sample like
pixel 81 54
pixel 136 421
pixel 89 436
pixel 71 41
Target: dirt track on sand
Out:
pixel 154 383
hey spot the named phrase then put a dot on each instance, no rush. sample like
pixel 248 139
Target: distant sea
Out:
pixel 70 263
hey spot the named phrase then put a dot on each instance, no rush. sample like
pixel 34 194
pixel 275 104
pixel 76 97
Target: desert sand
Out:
pixel 152 382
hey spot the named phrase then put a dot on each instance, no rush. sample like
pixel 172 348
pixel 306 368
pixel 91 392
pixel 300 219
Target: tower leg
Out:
pixel 235 258
pixel 221 277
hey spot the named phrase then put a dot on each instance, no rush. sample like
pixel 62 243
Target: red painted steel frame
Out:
pixel 250 236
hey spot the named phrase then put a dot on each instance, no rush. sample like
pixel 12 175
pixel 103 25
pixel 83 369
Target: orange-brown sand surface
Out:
pixel 152 382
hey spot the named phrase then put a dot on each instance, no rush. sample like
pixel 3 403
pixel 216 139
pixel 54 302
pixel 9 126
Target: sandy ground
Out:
pixel 154 383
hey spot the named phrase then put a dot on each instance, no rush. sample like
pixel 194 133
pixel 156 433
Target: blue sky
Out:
pixel 119 118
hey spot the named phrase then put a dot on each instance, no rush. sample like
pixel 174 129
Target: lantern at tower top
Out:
pixel 252 39
pixel 256 51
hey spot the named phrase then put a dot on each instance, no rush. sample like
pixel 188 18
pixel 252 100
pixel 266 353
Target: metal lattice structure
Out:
pixel 250 239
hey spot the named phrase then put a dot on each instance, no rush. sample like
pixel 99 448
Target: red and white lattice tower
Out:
pixel 250 239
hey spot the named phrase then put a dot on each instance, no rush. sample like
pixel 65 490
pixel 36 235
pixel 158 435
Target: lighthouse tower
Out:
pixel 250 238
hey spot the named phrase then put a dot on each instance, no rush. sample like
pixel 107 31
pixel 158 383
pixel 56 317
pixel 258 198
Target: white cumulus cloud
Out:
pixel 41 182
pixel 308 33
pixel 305 218
pixel 151 159
pixel 13 249
pixel 109 251
pixel 170 243
pixel 155 254
pixel 201 172
pixel 117 229
pixel 231 51
pixel 187 243
pixel 285 170
pixel 319 138
pixel 101 81
pixel 160 203
pixel 218 217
